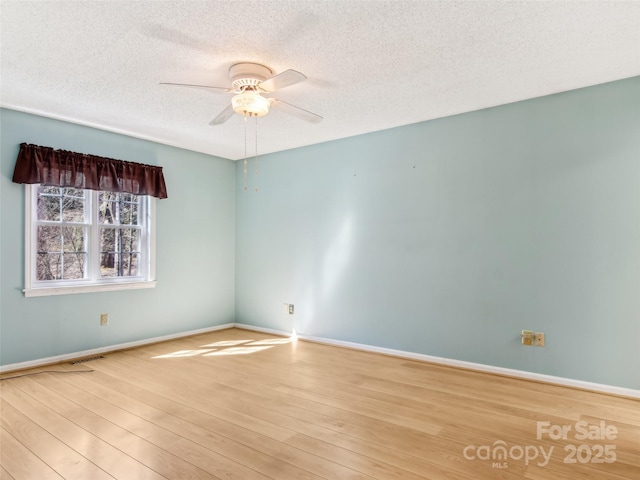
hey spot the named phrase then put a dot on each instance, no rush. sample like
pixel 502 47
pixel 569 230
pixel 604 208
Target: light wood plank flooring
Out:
pixel 237 404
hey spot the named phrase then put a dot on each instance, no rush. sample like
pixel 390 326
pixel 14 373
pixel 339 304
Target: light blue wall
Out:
pixel 445 238
pixel 449 237
pixel 195 250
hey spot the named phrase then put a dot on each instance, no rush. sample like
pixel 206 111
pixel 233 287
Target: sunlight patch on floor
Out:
pixel 226 343
pixel 237 351
pixel 232 347
pixel 184 353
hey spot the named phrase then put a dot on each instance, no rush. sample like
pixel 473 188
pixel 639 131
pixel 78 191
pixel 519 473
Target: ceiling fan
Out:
pixel 248 82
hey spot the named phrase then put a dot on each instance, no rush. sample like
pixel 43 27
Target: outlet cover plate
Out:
pixel 527 337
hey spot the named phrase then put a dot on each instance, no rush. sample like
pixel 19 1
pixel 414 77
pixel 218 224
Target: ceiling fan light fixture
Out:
pixel 250 104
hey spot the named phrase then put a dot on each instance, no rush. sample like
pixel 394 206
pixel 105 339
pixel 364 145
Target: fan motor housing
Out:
pixel 250 104
pixel 245 75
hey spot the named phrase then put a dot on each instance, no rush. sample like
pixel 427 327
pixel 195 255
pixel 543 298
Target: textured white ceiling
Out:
pixel 371 65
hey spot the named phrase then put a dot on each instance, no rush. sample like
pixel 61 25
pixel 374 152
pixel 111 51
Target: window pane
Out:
pixel 49 266
pixel 116 240
pixel 51 262
pixel 107 265
pixel 119 264
pixel 118 208
pixel 107 208
pixel 73 205
pixel 55 204
pixel 119 252
pixel 73 239
pixel 49 207
pixel 130 240
pixel 49 239
pixel 107 240
pixel 129 213
pixel 134 202
pixel 73 266
pixel 130 262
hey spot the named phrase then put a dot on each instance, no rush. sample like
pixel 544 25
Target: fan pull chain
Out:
pixel 245 161
pixel 256 161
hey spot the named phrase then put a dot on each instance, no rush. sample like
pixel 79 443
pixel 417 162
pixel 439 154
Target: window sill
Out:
pixel 71 289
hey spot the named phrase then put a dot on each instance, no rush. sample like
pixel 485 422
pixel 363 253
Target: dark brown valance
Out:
pixel 61 168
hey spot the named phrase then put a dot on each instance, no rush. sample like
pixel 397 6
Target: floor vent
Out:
pixel 84 360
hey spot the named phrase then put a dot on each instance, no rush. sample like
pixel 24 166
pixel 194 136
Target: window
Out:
pixel 86 241
pixel 90 221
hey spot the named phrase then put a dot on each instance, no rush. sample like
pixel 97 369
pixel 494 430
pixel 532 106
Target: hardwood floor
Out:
pixel 237 404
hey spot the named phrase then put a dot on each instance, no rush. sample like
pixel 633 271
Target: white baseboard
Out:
pixel 253 328
pixel 539 377
pixel 111 348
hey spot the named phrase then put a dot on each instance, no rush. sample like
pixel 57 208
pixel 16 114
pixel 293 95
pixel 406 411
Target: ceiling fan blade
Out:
pixel 296 111
pixel 223 116
pixel 202 87
pixel 282 80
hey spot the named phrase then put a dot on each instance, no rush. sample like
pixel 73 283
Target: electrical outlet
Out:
pixel 527 337
pixel 539 339
pixel 291 309
pixel 104 319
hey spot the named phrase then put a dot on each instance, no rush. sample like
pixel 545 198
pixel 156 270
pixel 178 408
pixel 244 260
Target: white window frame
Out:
pixel 93 282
